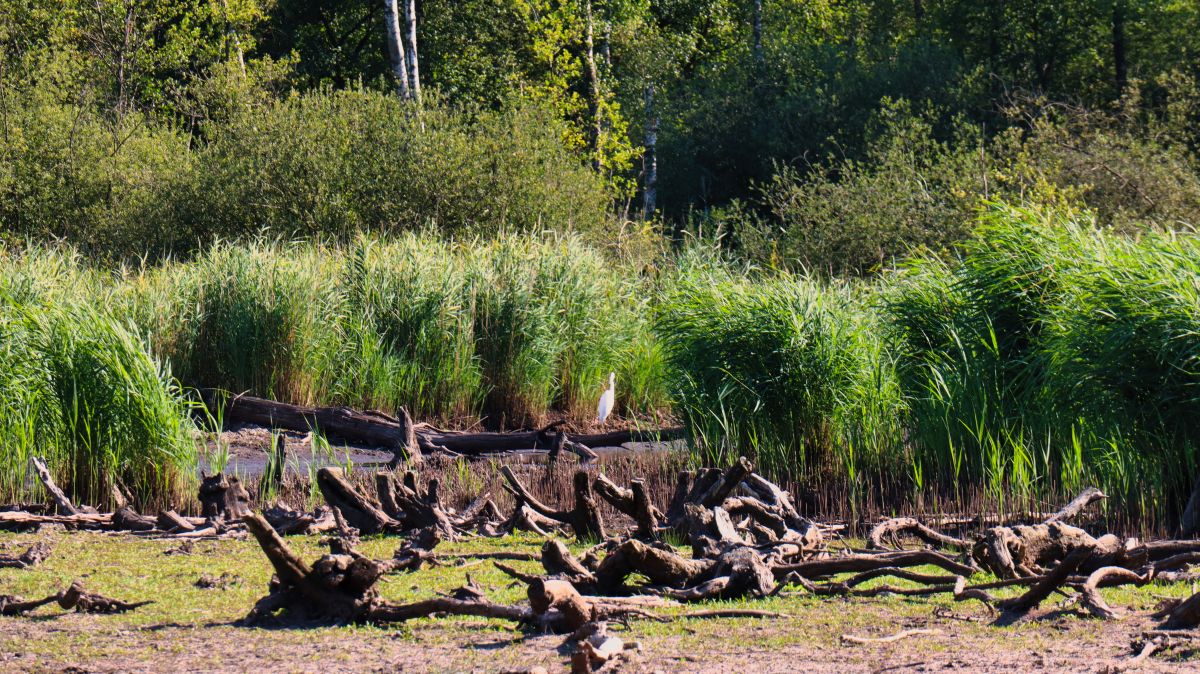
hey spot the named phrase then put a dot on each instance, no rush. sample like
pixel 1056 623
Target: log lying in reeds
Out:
pixel 406 439
pixel 373 428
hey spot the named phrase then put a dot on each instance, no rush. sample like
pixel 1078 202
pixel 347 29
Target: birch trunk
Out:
pixel 593 82
pixel 1120 54
pixel 650 158
pixel 760 60
pixel 395 41
pixel 414 70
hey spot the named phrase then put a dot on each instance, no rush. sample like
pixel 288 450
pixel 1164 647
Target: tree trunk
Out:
pixel 593 87
pixel 760 59
pixel 1120 57
pixel 1189 522
pixel 650 158
pixel 396 50
pixel 410 35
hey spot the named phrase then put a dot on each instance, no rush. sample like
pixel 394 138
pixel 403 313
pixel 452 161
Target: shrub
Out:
pixel 335 163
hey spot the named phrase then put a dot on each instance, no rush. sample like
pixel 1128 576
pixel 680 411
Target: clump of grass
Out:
pixel 781 367
pixel 79 388
pixel 239 318
pixel 1051 355
pixel 403 332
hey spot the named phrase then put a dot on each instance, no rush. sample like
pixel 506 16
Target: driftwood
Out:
pixel 358 510
pixel 74 597
pixel 1019 606
pixel 851 639
pixel 373 428
pixel 223 498
pixel 14 605
pixel 415 508
pixel 82 601
pixel 819 568
pixel 1024 550
pixel 1069 511
pixel 341 586
pixel 169 520
pixel 634 503
pixel 908 525
pixel 1185 614
pixel 584 518
pixel 36 554
pixel 64 505
pixel 1108 576
pixel 401 435
pixel 287 521
pixel 128 519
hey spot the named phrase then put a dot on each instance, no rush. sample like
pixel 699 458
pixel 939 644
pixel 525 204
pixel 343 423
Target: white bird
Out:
pixel 606 399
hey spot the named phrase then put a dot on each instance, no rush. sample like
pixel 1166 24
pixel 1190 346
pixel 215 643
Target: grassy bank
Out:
pixel 1044 356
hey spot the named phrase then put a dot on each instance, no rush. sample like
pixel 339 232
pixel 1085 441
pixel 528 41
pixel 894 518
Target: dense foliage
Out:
pixel 829 136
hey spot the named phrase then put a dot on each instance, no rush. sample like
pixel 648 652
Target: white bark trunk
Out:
pixel 760 60
pixel 593 82
pixel 414 70
pixel 395 40
pixel 650 158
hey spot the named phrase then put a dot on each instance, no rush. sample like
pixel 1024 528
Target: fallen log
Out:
pixel 16 520
pixel 818 568
pixel 401 435
pixel 372 428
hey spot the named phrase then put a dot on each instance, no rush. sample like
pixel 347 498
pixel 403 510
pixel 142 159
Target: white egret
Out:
pixel 606 399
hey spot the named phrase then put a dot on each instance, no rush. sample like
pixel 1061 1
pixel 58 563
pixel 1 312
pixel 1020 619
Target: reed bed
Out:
pixel 1043 356
pixel 80 389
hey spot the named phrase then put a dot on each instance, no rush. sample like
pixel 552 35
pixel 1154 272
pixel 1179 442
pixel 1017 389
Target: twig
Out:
pixel 850 638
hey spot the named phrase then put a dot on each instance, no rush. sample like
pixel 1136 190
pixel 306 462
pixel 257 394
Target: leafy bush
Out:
pixel 335 163
pixel 910 192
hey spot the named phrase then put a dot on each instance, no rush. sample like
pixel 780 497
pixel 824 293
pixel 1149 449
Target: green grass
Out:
pixel 79 389
pixel 194 624
pixel 1044 356
pixel 787 369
